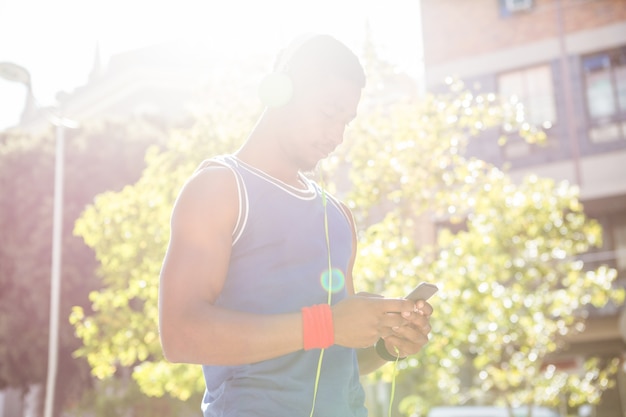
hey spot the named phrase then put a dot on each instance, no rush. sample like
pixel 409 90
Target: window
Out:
pixel 532 88
pixel 509 7
pixel 605 88
pixel 517 5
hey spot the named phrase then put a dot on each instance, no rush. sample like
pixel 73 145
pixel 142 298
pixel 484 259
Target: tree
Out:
pixel 516 291
pixel 505 256
pixel 516 274
pixel 129 231
pixel 95 160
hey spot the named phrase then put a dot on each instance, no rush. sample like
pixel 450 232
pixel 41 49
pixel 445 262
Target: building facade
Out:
pixel 565 61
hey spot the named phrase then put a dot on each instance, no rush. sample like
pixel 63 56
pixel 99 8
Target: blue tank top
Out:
pixel 279 263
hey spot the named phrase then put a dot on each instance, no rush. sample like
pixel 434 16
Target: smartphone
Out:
pixel 422 292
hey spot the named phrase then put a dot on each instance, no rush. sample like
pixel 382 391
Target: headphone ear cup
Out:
pixel 276 89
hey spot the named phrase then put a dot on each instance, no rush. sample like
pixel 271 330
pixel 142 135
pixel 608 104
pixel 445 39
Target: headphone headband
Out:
pixel 286 55
pixel 308 57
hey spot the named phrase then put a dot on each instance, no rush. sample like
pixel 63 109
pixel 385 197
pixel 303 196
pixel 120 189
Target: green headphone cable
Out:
pixel 393 381
pixel 329 301
pixel 330 286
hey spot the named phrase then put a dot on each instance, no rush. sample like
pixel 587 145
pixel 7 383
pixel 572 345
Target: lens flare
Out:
pixel 334 281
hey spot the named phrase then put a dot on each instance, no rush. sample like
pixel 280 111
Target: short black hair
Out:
pixel 316 54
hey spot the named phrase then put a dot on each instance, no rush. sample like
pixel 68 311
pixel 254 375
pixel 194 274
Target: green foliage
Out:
pixel 98 157
pixel 505 255
pixel 515 289
pixel 129 231
pixel 512 289
pixel 121 396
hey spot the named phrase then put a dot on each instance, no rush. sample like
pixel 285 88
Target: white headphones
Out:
pixel 276 89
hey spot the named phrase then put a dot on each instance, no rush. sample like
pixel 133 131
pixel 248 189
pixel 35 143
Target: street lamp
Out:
pixel 13 72
pixel 16 73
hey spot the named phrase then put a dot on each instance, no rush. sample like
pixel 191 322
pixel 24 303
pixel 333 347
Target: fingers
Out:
pixel 398 305
pixel 411 337
pixel 405 346
pixel 418 314
pixel 423 308
pixel 390 323
pixel 362 319
pixel 421 317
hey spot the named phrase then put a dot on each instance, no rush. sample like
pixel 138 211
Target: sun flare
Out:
pixel 57 41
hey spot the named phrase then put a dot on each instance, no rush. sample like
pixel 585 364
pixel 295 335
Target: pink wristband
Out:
pixel 317 327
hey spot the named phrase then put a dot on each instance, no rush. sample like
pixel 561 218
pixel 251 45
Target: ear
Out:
pixel 276 89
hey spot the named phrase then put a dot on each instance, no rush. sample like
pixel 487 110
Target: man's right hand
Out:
pixel 360 320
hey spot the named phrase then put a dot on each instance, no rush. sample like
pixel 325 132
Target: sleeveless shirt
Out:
pixel 279 264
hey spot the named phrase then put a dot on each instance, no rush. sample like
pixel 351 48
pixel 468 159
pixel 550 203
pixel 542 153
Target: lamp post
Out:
pixel 55 275
pixel 13 72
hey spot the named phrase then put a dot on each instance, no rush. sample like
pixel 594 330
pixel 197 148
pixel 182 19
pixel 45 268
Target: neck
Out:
pixel 262 151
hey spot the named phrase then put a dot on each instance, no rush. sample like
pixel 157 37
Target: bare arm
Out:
pixel 368 359
pixel 194 330
pixel 408 338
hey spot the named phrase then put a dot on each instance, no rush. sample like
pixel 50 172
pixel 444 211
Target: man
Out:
pixel 257 278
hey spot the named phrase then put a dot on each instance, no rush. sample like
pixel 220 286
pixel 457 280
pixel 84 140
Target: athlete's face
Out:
pixel 319 117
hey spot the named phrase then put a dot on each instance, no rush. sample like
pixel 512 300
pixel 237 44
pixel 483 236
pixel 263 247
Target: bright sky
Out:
pixel 55 40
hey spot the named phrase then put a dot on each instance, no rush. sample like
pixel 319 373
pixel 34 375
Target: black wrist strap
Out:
pixel 384 353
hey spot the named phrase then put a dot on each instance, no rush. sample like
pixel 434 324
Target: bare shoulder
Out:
pixel 209 198
pixel 196 261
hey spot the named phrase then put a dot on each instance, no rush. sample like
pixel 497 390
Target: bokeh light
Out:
pixel 333 282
